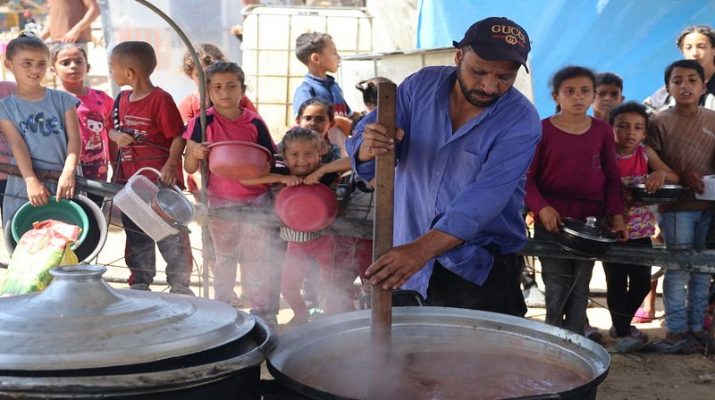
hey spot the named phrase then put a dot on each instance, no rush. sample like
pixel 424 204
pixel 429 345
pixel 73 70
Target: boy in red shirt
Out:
pixel 148 130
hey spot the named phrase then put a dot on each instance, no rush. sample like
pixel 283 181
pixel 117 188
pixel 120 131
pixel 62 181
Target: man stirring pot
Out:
pixel 467 138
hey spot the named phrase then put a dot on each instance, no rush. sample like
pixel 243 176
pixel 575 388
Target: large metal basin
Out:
pixel 442 353
pixel 81 339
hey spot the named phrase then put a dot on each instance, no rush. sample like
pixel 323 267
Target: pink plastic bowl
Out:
pixel 306 208
pixel 237 159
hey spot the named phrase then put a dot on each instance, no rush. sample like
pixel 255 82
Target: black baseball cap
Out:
pixel 497 39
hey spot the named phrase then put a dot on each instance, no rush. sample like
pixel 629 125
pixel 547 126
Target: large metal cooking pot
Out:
pixel 441 353
pixel 82 339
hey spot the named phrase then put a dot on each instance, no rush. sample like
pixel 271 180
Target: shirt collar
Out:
pixel 329 80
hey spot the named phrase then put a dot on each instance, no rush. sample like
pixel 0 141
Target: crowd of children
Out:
pixel 582 168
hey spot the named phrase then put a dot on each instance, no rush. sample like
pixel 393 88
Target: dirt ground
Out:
pixel 639 376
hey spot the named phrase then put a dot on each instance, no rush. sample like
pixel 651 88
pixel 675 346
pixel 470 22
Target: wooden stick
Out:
pixel 381 299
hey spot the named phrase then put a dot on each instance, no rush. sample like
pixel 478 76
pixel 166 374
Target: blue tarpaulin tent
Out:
pixel 633 38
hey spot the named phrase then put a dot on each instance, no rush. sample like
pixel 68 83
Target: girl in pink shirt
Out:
pixel 628 284
pixel 69 63
pixel 233 240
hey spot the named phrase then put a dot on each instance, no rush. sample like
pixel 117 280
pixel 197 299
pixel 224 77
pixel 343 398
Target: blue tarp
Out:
pixel 633 38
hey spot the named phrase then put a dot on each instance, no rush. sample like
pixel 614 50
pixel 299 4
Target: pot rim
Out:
pixel 241 142
pixel 136 384
pixel 582 235
pixel 664 187
pixel 307 336
pixel 165 215
pixel 588 237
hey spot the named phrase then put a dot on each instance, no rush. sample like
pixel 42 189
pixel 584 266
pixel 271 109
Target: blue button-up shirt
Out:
pixel 468 183
pixel 326 90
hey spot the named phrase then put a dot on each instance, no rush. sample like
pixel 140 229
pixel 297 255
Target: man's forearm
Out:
pixel 436 242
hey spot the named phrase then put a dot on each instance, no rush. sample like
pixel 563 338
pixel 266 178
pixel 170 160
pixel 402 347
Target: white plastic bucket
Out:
pixel 135 201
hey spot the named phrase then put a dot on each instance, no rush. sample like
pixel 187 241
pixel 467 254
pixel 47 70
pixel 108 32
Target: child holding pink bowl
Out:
pixel 234 241
pixel 301 149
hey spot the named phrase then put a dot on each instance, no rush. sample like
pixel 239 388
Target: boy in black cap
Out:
pixel 469 137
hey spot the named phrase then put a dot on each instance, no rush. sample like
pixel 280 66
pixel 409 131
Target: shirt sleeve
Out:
pixel 264 136
pixel 654 139
pixel 365 170
pixel 499 179
pixel 533 199
pixel 68 101
pixel 4 113
pixel 186 109
pixel 193 129
pixel 107 107
pixel 301 95
pixel 169 120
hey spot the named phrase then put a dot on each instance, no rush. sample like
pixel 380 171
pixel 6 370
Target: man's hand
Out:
pixel 550 218
pixel 375 141
pixel 396 266
pixel 36 192
pixel 168 172
pixel 694 181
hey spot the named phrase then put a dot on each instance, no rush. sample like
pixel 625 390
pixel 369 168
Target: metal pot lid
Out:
pixel 587 230
pixel 667 186
pixel 79 322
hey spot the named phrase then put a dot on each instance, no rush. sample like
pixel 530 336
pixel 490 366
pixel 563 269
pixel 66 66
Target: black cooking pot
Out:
pixel 666 194
pixel 585 238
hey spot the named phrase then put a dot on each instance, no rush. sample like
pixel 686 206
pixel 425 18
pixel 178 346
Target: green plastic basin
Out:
pixel 65 210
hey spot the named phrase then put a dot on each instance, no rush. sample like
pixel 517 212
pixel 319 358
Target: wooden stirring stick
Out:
pixel 381 299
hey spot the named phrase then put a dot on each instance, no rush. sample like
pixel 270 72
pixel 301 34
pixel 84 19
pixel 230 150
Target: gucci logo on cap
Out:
pixel 510 39
pixel 512 33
